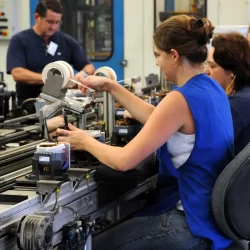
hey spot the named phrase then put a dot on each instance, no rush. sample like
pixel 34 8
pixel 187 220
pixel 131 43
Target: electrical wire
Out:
pixel 87 182
pixel 66 165
pixel 74 212
pixel 67 153
pixel 57 191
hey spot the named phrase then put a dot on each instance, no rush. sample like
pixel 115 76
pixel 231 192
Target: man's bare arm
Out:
pixel 27 76
pixel 89 68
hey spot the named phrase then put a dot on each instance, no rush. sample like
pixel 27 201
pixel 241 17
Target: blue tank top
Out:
pixel 213 149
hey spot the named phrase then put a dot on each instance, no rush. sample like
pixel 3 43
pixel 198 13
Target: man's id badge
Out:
pixel 52 48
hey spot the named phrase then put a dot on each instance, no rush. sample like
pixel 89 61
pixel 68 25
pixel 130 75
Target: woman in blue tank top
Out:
pixel 196 114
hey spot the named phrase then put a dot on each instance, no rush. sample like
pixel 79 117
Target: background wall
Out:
pixel 139 26
pixel 229 12
pixel 138 42
pixel 23 7
pixel 222 12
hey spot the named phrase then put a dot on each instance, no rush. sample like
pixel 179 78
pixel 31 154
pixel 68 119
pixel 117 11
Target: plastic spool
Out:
pixel 106 72
pixel 65 70
pixel 71 71
pixel 50 147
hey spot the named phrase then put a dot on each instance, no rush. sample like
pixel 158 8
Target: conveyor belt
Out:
pixel 10 215
pixel 15 159
pixel 20 134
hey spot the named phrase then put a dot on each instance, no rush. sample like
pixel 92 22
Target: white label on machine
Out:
pixel 123 131
pixel 44 158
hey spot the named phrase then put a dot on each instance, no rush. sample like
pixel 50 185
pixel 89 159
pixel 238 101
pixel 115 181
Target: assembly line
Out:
pixel 124 125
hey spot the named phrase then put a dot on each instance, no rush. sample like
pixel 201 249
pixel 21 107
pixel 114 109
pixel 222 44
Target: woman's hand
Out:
pixel 98 83
pixel 77 138
pixel 79 77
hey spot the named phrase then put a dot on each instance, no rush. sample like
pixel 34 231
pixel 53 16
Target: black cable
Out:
pixel 54 208
pixel 88 205
pixel 82 245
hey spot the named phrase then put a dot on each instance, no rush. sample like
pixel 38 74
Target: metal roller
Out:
pixel 35 232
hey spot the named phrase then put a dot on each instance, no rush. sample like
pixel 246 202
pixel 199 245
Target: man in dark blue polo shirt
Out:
pixel 30 50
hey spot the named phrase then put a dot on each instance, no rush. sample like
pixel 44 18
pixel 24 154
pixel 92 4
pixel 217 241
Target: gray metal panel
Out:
pixel 76 199
pixel 10 215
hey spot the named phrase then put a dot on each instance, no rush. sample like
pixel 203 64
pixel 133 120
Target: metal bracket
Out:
pixel 76 175
pixel 46 188
pixel 53 85
pixel 50 214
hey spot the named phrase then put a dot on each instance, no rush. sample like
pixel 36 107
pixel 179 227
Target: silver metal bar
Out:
pixel 24 148
pixel 22 118
pixel 15 175
pixel 9 215
pixel 105 112
pixel 111 115
pixel 79 200
pixel 88 245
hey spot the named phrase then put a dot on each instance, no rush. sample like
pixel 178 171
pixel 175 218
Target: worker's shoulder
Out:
pixel 240 101
pixel 24 34
pixel 66 36
pixel 241 98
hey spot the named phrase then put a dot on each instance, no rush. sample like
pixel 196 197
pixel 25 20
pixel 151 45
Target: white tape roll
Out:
pixel 69 67
pixel 71 72
pixel 45 71
pixel 65 70
pixel 106 72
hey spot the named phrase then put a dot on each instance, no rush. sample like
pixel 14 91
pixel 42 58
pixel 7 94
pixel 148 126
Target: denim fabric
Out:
pixel 168 231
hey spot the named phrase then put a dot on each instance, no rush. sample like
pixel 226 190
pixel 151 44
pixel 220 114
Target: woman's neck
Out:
pixel 187 71
pixel 39 33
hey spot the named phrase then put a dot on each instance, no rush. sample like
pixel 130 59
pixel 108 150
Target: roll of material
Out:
pixel 71 71
pixel 50 147
pixel 66 71
pixel 106 72
pixel 62 68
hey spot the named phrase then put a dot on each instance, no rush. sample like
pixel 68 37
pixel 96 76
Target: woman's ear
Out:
pixel 175 55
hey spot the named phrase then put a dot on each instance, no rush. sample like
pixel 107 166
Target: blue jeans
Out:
pixel 168 231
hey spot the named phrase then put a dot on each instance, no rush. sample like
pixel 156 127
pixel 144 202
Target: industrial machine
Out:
pixel 60 200
pixel 125 129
